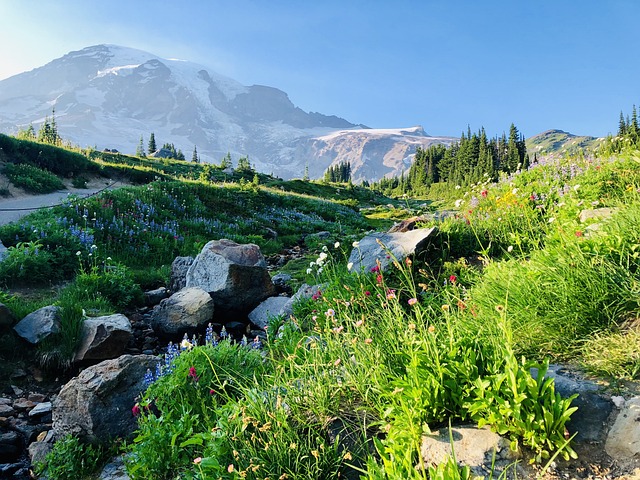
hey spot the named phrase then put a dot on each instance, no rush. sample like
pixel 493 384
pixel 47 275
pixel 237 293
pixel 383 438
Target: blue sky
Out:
pixel 542 64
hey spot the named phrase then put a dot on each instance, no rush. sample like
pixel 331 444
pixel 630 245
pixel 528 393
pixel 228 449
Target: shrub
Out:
pixel 32 179
pixel 27 263
pixel 71 460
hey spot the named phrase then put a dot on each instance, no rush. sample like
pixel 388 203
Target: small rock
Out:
pixel 623 440
pixel 6 317
pixel 618 401
pixel 17 390
pixel 37 397
pixel 9 446
pixel 154 297
pixel 22 404
pixel 6 411
pixel 40 409
pixel 114 470
pixel 38 325
pixel 5 401
pixel 38 451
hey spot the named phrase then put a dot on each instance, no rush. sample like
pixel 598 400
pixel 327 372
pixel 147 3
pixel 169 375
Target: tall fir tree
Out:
pixel 151 148
pixel 194 157
pixel 140 150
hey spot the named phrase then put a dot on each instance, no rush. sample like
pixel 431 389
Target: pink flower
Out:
pixel 579 233
pixel 367 293
pixel 212 391
pixel 453 279
pixel 379 279
pixel 412 301
pixel 484 193
pixel 135 410
pixel 193 374
pixel 375 269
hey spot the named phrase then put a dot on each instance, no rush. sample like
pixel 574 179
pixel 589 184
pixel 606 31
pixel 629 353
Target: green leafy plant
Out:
pixel 32 179
pixel 72 460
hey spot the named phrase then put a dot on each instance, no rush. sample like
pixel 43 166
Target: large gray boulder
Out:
pixel 182 312
pixel 96 405
pixel 385 248
pixel 104 338
pixel 38 325
pixel 271 307
pixel 235 275
pixel 179 267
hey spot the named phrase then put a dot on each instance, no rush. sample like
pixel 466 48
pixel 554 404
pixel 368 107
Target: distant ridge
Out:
pixel 558 141
pixel 108 96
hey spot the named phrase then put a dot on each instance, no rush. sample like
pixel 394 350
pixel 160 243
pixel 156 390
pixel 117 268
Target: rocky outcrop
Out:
pixel 154 297
pixel 235 275
pixel 183 312
pixel 96 405
pixel 103 338
pixel 623 441
pixel 38 325
pixel 385 248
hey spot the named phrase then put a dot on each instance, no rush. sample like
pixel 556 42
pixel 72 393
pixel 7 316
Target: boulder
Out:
pixel 103 337
pixel 472 446
pixel 183 312
pixel 178 276
pixel 271 307
pixel 96 405
pixel 596 214
pixel 154 297
pixel 114 470
pixel 6 317
pixel 235 275
pixel 38 451
pixel 623 440
pixel 386 248
pixel 40 409
pixel 590 420
pixel 38 325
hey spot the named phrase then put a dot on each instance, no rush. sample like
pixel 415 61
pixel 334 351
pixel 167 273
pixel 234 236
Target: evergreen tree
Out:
pixel 194 157
pixel 244 165
pixel 306 173
pixel 151 148
pixel 140 150
pixel 622 126
pixel 226 162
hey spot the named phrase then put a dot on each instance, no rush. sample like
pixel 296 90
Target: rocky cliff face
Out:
pixel 109 96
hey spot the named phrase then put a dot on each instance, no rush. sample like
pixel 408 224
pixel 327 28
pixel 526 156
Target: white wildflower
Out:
pixel 514 191
pixel 576 187
pixel 551 219
pixel 349 266
pixel 78 253
pixel 336 245
pixel 309 271
pixel 458 203
pixel 510 248
pixel 355 244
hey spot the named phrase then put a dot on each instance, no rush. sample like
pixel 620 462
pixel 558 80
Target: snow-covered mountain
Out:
pixel 109 96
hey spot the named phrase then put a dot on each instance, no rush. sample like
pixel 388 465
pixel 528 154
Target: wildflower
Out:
pixel 94 247
pixel 412 326
pixel 309 271
pixel 230 468
pixel 338 329
pixel 78 253
pixel 375 269
pixel 458 203
pixel 347 456
pixel 576 187
pixel 148 377
pixel 324 249
pixel 431 329
pixel 312 264
pixel 109 259
pixel 499 308
pixel 320 270
pixel 412 301
pixel 484 193
pixel 193 373
pixel 379 279
pixel 452 279
pixel 330 313
pixel 197 460
pixel 445 308
pixel 551 219
pixel 514 191
pixel 336 245
pixel 349 266
pixel 359 323
pixel 135 410
pixel 223 333
pixel 367 293
pixel 391 294
pixel 355 244
pixel 579 233
pixel 337 362
pixel 368 341
pixel 256 344
pixel 510 248
pixel 244 341
pixel 408 261
pixel 212 391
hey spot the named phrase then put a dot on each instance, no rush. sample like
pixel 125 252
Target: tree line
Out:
pixel 472 159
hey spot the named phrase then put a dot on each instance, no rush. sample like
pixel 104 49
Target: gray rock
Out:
pixel 182 312
pixel 281 282
pixel 386 248
pixel 6 411
pixel 104 337
pixel 235 275
pixel 114 470
pixel 623 440
pixel 96 405
pixel 38 325
pixel 596 214
pixel 271 307
pixel 6 317
pixel 304 292
pixel 38 451
pixel 3 251
pixel 178 276
pixel 590 420
pixel 40 409
pixel 10 444
pixel 473 447
pixel 154 297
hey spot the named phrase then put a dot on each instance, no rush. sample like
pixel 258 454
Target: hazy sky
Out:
pixel 567 64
